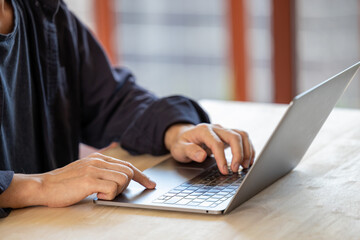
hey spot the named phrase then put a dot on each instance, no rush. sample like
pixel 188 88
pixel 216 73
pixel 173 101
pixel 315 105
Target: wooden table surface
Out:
pixel 320 199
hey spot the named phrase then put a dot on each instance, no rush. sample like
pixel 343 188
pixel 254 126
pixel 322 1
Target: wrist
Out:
pixel 173 133
pixel 23 191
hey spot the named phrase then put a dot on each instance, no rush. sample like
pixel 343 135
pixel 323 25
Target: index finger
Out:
pixel 139 176
pixel 212 141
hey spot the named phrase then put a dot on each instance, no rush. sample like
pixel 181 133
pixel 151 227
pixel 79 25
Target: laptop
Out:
pixel 200 188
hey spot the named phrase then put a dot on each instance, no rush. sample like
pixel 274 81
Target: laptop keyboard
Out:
pixel 209 189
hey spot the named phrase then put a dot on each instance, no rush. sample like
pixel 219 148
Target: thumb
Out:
pixel 195 152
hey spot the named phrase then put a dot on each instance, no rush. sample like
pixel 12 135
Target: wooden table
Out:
pixel 320 199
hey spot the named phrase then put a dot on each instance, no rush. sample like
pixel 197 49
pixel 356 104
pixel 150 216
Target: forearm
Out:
pixel 24 191
pixel 146 134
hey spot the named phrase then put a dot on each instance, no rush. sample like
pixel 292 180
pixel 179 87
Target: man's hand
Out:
pixel 187 143
pixel 65 186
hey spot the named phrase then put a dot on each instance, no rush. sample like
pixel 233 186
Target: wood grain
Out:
pixel 319 200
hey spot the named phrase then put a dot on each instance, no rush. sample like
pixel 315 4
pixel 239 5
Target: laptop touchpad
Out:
pixel 167 175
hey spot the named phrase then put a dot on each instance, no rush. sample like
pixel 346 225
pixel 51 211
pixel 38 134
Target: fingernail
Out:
pixel 225 169
pixel 247 163
pixel 236 166
pixel 152 183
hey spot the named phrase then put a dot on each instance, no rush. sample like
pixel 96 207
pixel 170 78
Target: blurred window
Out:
pixel 176 47
pixel 328 42
pixel 181 46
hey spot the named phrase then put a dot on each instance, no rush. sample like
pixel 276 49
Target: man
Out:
pixel 58 89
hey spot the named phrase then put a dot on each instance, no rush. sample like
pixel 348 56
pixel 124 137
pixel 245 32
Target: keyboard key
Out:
pixel 174 191
pixel 195 194
pixel 208 194
pixel 169 194
pixel 198 185
pixel 181 195
pixel 227 190
pixel 201 190
pixel 186 185
pixel 203 197
pixel 212 184
pixel 222 193
pixel 203 182
pixel 223 184
pixel 193 203
pixel 173 200
pixel 217 196
pixel 206 204
pixel 190 197
pixel 187 191
pixel 184 201
pixel 211 200
pixel 213 191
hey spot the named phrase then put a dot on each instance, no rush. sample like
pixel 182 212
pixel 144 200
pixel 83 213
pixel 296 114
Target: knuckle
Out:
pixel 203 126
pixel 129 165
pixel 236 137
pixel 95 155
pixel 244 134
pixel 124 179
pixel 95 161
pixel 129 173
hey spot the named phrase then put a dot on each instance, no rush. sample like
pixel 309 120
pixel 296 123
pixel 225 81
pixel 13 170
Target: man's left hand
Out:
pixel 187 143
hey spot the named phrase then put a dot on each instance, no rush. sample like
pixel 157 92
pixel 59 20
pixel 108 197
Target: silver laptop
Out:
pixel 200 188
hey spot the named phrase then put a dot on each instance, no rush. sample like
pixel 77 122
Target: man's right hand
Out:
pixel 65 186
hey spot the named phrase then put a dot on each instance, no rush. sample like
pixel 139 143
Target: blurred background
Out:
pixel 247 50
